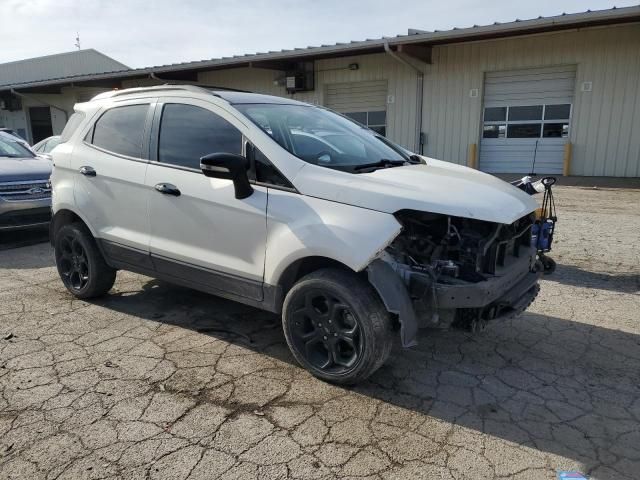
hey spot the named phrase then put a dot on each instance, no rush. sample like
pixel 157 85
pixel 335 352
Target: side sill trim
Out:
pixel 266 297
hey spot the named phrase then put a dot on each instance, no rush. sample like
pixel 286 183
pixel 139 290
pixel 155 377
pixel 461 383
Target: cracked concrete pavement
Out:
pixel 160 382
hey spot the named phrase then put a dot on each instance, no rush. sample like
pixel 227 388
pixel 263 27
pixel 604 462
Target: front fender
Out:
pixel 299 226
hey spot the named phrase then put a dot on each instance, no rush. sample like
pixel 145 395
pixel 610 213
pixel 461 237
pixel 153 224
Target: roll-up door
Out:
pixel 365 102
pixel 526 119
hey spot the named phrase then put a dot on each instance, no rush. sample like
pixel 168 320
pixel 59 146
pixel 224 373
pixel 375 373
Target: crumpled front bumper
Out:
pixel 411 294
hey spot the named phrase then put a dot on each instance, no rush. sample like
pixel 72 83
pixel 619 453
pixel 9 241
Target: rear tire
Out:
pixel 80 264
pixel 336 326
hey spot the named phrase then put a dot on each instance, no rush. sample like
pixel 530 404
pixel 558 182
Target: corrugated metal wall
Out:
pixel 401 80
pixel 605 121
pixel 357 96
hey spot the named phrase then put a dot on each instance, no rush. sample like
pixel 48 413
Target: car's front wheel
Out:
pixel 80 264
pixel 336 326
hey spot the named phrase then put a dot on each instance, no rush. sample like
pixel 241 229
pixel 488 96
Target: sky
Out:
pixel 141 33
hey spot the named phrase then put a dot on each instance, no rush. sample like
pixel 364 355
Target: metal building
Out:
pixel 550 95
pixel 33 119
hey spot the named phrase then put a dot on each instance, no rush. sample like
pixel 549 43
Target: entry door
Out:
pixel 200 233
pixel 40 119
pixel 526 120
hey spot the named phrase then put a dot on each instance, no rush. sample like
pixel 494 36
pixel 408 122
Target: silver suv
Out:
pixel 25 191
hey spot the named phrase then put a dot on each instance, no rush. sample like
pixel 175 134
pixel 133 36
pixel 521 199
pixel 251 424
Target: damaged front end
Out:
pixel 443 271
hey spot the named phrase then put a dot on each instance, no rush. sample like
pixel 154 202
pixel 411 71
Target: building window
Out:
pixel 376 120
pixel 527 121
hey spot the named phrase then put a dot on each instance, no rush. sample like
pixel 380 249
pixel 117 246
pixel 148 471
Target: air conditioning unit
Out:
pixel 301 78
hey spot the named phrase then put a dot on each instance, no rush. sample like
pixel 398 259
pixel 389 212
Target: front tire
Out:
pixel 336 326
pixel 80 264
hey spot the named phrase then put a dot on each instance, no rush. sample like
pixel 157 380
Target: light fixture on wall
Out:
pixel 473 93
pixel 586 86
pixel 354 66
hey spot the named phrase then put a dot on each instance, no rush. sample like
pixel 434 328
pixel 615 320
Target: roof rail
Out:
pixel 155 88
pixel 224 89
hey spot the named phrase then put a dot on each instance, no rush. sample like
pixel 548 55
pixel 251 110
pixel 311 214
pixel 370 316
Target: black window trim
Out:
pixel 145 131
pixel 252 169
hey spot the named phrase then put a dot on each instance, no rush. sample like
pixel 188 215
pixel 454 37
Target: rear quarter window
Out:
pixel 72 124
pixel 121 130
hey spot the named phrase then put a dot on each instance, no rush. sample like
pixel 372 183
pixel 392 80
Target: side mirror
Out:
pixel 230 167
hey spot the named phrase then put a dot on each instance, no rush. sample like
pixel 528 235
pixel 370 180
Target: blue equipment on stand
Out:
pixel 544 226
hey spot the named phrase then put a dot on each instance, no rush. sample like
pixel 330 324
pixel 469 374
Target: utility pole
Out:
pixel 77 44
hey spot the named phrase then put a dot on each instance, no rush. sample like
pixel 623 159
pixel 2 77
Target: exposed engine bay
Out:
pixel 462 272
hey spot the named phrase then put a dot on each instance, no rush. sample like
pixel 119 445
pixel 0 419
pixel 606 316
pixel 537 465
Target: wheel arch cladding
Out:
pixel 395 297
pixel 65 216
pixel 304 266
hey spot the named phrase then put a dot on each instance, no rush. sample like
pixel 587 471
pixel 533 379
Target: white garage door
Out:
pixel 526 119
pixel 365 102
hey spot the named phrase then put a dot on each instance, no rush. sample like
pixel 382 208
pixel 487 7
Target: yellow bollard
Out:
pixel 473 156
pixel 566 168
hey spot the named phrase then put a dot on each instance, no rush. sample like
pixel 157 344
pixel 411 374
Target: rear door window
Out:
pixel 121 130
pixel 188 133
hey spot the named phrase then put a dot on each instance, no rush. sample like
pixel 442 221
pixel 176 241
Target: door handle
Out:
pixel 87 171
pixel 168 189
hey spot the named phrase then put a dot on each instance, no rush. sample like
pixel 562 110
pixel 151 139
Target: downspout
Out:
pixel 419 93
pixel 154 77
pixel 51 105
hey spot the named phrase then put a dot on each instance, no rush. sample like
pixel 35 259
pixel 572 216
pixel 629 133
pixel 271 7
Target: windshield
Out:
pixel 324 138
pixel 13 149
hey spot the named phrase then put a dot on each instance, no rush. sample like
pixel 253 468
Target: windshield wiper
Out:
pixel 384 163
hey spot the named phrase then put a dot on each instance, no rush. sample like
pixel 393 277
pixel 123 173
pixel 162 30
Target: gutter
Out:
pixel 419 94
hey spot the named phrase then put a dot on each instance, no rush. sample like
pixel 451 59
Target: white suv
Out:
pixel 290 208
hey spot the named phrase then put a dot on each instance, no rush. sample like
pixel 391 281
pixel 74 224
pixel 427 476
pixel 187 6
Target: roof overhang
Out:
pixel 416 44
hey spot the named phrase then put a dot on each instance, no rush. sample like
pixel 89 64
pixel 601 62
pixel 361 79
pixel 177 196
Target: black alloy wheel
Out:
pixel 325 329
pixel 80 263
pixel 336 325
pixel 73 262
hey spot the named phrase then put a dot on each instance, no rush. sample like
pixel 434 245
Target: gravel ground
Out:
pixel 156 381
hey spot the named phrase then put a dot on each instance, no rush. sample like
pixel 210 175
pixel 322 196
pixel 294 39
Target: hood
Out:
pixel 437 187
pixel 24 169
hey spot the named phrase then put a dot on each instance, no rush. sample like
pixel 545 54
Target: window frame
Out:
pixel 368 124
pixel 154 142
pixel 506 122
pixel 87 138
pixel 248 146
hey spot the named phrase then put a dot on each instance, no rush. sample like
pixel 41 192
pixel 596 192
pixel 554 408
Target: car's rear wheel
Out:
pixel 80 264
pixel 336 326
